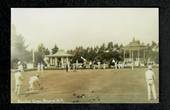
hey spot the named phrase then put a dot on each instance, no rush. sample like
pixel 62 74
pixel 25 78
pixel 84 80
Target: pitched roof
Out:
pixel 134 45
pixel 60 53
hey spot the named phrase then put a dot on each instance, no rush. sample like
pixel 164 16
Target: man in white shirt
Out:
pixel 41 67
pixel 20 66
pixel 34 83
pixel 90 64
pixel 77 64
pixel 18 82
pixel 98 63
pixel 104 65
pixel 38 67
pixel 150 78
pixel 113 62
pixel 116 65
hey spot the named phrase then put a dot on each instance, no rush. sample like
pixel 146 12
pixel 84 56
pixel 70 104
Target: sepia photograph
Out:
pixel 84 55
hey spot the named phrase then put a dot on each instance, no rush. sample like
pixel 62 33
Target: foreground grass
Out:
pixel 87 86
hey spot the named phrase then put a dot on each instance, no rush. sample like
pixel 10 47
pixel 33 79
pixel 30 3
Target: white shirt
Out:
pixel 34 79
pixel 98 63
pixel 39 65
pixel 18 78
pixel 149 74
pixel 20 67
pixel 113 61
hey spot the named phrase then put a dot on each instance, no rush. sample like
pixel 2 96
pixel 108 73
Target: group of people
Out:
pixel 34 82
pixel 102 65
pixel 118 65
pixel 149 76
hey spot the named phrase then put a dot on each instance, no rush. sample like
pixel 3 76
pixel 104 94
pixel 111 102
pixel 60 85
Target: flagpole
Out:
pixel 33 57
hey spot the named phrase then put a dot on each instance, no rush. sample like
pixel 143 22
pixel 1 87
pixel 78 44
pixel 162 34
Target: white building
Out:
pixel 59 59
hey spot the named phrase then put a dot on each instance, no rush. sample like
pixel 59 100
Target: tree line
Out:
pixel 19 52
pixel 103 53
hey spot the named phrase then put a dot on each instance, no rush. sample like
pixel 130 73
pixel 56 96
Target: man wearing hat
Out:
pixel 34 83
pixel 18 82
pixel 150 79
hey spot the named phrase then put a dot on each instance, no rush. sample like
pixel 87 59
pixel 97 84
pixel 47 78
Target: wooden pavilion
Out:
pixel 59 59
pixel 135 53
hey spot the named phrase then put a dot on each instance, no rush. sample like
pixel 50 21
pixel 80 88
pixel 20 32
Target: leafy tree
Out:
pixel 92 54
pixel 99 53
pixel 55 49
pixel 47 52
pixel 154 44
pixel 110 46
pixel 154 54
pixel 19 50
pixel 40 53
pixel 116 47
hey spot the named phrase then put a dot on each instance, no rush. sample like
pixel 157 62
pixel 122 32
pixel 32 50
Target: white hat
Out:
pixel 150 67
pixel 19 62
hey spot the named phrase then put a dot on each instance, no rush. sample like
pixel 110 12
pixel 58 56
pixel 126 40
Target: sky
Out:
pixel 71 27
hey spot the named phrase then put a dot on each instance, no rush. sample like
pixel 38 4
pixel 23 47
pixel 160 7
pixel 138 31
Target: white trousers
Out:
pixel 38 68
pixel 151 89
pixel 34 86
pixel 31 87
pixel 104 67
pixel 18 89
pixel 98 66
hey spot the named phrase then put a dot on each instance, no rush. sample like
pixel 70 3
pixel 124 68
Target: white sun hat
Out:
pixel 19 62
pixel 150 67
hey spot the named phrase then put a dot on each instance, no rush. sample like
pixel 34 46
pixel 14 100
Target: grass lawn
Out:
pixel 87 86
